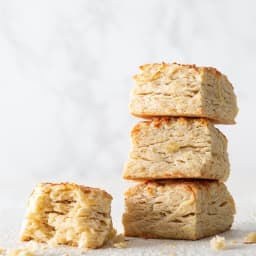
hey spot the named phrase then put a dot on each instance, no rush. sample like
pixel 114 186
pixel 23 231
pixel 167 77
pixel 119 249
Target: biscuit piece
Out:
pixel 218 243
pixel 177 148
pixel 183 90
pixel 68 214
pixel 178 209
pixel 250 238
pixel 21 252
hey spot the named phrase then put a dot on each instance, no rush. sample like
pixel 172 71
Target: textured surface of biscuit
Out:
pixel 178 209
pixel 68 214
pixel 167 148
pixel 183 90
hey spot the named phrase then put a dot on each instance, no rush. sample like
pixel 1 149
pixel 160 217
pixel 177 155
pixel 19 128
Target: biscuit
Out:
pixel 183 90
pixel 167 148
pixel 187 210
pixel 68 214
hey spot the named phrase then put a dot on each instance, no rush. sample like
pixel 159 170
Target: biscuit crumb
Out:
pixel 2 251
pixel 29 250
pixel 218 243
pixel 20 252
pixel 119 241
pixel 250 238
pixel 120 245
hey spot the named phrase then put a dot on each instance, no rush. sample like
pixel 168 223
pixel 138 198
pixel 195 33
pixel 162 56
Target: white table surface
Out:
pixel 245 222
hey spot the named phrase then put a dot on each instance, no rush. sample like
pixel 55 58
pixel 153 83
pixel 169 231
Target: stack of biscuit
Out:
pixel 178 155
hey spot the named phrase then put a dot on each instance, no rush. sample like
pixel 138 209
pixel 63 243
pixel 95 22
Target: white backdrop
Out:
pixel 65 78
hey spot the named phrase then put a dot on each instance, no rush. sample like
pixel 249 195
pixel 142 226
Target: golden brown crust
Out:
pixel 158 68
pixel 214 119
pixel 190 185
pixel 160 121
pixel 198 68
pixel 84 189
pixel 157 122
pixel 165 176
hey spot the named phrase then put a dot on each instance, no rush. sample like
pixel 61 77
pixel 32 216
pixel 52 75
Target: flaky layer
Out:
pixel 177 148
pixel 177 209
pixel 68 214
pixel 183 90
